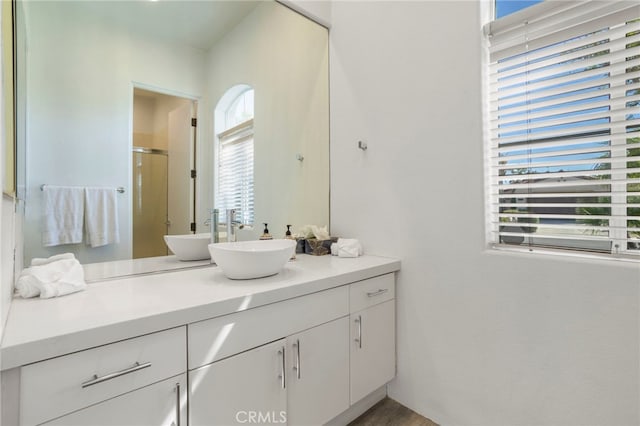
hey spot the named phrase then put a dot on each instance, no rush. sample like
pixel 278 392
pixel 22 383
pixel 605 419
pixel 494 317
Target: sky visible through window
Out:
pixel 507 7
pixel 580 107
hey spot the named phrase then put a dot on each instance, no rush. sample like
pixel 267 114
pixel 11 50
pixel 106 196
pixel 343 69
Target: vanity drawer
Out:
pixel 52 388
pixel 371 292
pixel 221 337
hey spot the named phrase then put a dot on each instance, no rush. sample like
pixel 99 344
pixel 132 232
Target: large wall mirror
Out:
pixel 122 95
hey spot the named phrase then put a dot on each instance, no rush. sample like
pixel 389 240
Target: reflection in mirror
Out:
pixel 233 176
pixel 101 84
pixel 163 147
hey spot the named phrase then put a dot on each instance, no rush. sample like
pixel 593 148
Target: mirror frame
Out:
pixel 8 41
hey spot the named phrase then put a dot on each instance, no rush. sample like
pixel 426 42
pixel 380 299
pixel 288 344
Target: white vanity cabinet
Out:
pixel 127 369
pixel 300 380
pixel 300 377
pixel 372 349
pixel 305 348
pixel 304 360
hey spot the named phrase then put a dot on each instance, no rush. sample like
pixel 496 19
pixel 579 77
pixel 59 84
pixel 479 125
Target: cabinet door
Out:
pixel 162 403
pixel 245 388
pixel 373 349
pixel 318 377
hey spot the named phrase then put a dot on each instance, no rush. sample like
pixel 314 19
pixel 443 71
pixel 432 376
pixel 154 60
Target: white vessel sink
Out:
pixel 189 246
pixel 245 260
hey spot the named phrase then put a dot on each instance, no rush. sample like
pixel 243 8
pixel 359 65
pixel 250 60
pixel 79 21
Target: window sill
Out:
pixel 559 255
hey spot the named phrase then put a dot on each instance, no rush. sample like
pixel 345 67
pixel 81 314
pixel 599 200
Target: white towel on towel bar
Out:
pixel 63 215
pixel 101 216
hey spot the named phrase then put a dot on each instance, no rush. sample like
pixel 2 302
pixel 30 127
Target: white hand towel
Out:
pixel 64 215
pixel 56 278
pixel 349 247
pixel 101 216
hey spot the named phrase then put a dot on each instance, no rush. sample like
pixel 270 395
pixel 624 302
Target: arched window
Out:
pixel 234 149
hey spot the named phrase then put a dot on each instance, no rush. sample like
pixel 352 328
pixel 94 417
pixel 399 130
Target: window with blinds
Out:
pixel 564 127
pixel 234 188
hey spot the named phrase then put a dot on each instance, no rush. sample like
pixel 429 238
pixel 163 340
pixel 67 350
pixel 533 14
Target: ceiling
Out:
pixel 199 24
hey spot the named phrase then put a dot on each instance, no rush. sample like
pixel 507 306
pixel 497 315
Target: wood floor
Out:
pixel 391 413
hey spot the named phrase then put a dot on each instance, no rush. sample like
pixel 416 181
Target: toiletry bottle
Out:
pixel 288 236
pixel 265 234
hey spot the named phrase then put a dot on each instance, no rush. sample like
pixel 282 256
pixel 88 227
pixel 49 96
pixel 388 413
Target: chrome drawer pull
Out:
pixel 297 366
pixel 178 404
pixel 359 338
pixel 137 366
pixel 281 376
pixel 378 293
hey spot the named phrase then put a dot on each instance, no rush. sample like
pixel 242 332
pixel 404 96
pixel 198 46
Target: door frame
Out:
pixel 195 137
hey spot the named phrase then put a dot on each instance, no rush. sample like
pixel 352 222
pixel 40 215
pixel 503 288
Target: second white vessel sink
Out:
pixel 189 246
pixel 245 260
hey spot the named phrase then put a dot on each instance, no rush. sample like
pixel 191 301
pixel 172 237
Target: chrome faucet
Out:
pixel 231 225
pixel 231 222
pixel 213 225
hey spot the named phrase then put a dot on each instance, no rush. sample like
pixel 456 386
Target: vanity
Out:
pixel 184 346
pixel 192 347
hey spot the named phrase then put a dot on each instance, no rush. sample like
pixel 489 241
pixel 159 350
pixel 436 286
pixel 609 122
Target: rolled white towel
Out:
pixel 27 285
pixel 56 278
pixel 39 261
pixel 349 247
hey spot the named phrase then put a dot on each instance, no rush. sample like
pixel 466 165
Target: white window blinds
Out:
pixel 564 126
pixel 234 189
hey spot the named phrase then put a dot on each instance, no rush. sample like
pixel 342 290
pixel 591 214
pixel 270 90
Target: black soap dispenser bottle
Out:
pixel 265 234
pixel 288 236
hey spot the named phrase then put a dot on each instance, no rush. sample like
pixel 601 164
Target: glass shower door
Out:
pixel 149 202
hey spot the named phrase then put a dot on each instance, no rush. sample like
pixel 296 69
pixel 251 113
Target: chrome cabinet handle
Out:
pixel 282 369
pixel 178 404
pixel 377 293
pixel 95 380
pixel 297 366
pixel 359 338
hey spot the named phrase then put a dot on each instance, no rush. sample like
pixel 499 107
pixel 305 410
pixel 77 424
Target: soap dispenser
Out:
pixel 288 236
pixel 265 234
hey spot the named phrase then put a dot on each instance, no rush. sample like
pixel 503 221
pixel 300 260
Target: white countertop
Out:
pixel 118 309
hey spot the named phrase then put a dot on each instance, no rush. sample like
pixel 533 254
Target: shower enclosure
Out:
pixel 150 189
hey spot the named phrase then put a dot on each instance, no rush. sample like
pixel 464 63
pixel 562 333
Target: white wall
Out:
pixel 79 88
pixel 151 112
pixel 144 118
pixel 484 338
pixel 284 57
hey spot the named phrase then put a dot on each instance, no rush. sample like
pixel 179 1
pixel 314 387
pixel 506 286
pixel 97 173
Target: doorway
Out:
pixel 163 162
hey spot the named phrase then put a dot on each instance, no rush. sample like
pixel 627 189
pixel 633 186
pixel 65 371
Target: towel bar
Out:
pixel 120 189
